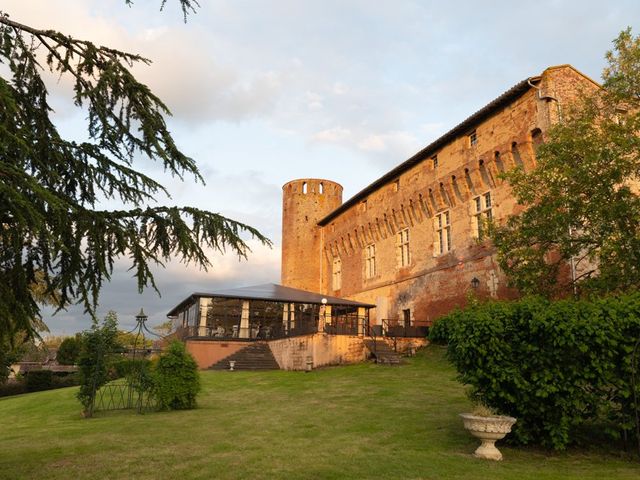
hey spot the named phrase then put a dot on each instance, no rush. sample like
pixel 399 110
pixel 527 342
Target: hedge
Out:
pixel 553 365
pixel 37 380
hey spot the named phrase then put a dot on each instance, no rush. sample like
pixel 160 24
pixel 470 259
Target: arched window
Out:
pixel 487 178
pixel 467 178
pixel 536 139
pixel 445 195
pixel 498 161
pixel 515 151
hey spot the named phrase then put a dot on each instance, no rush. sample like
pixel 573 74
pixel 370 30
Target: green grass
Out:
pixel 362 421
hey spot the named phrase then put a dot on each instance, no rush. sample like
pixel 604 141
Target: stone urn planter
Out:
pixel 488 430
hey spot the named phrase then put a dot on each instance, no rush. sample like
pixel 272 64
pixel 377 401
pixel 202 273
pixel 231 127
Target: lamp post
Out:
pixel 141 318
pixel 323 320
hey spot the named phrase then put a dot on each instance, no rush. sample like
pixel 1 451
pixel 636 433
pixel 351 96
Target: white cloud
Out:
pixel 314 101
pixel 373 143
pixel 340 88
pixel 332 135
pixel 183 73
pixel 394 145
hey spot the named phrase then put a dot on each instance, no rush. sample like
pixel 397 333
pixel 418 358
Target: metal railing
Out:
pixel 271 331
pixel 346 325
pixel 392 327
pixel 124 396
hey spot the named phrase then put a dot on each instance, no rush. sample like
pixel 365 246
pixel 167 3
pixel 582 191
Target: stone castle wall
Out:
pixel 431 283
pixel 304 203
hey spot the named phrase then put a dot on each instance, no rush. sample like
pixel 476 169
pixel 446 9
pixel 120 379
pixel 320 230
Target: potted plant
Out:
pixel 485 424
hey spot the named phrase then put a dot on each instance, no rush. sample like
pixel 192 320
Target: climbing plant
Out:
pixel 97 345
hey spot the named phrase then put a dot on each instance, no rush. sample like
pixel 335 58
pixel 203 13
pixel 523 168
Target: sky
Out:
pixel 264 92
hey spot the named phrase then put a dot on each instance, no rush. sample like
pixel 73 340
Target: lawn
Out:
pixel 362 421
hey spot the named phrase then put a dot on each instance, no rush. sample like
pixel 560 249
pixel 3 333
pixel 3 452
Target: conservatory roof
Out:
pixel 270 292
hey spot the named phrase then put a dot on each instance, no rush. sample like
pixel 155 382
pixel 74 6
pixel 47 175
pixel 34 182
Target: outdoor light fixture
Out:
pixel 324 301
pixel 475 283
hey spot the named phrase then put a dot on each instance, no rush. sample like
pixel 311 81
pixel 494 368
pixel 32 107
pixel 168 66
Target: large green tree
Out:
pixel 582 203
pixel 51 223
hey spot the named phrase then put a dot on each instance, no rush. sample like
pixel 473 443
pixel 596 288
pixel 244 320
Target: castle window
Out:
pixel 445 195
pixel 402 245
pixel 337 273
pixel 536 139
pixel 370 261
pixel 515 151
pixel 363 206
pixel 396 185
pixel 498 161
pixel 443 233
pixel 473 138
pixel 619 115
pixel 483 213
pixel 434 161
pixel 321 188
pixel 304 187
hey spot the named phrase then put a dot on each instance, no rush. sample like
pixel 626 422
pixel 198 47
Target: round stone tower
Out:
pixel 305 202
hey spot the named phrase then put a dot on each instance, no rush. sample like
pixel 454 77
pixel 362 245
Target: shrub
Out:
pixel 69 351
pixel 553 365
pixel 441 330
pixel 176 379
pixel 37 380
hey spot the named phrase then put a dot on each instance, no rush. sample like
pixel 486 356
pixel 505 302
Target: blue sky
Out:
pixel 263 92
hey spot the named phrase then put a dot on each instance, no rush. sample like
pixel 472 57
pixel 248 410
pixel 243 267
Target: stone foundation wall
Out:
pixel 404 344
pixel 292 353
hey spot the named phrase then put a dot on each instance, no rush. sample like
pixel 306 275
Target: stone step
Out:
pixel 256 356
pixel 382 352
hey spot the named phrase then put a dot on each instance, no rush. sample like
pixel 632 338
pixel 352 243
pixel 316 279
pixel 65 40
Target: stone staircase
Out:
pixel 256 356
pixel 382 352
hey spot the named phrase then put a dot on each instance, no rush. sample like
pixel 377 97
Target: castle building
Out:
pixel 371 273
pixel 413 242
